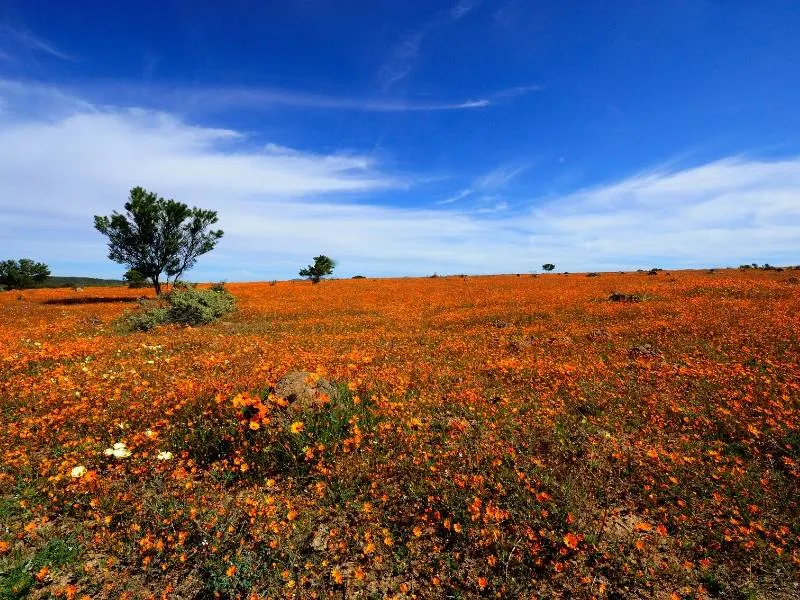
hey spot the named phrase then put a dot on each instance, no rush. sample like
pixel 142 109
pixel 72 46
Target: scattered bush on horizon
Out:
pixel 22 273
pixel 548 267
pixel 183 305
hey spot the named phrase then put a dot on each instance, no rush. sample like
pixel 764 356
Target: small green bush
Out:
pixel 184 305
pixel 191 306
pixel 150 315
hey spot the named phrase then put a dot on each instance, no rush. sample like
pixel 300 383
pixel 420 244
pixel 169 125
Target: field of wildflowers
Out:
pixel 509 436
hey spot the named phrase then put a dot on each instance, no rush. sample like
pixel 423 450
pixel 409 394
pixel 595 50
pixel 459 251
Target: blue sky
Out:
pixel 406 138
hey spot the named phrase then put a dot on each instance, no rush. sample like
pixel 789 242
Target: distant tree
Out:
pixel 322 267
pixel 157 236
pixel 22 273
pixel 548 267
pixel 134 279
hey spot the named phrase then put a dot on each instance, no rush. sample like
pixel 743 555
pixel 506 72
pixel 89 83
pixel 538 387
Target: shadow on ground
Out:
pixel 90 300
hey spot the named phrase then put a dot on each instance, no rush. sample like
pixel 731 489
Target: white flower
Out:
pixel 78 471
pixel 119 450
pixel 164 456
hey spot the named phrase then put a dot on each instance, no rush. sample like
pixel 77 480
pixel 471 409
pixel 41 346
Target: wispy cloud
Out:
pixel 494 180
pixel 206 100
pixel 463 8
pixel 408 50
pixel 255 98
pixel 456 197
pixel 28 40
pixel 279 205
pixel 501 176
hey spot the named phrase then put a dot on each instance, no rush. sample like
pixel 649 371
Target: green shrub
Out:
pixel 184 305
pixel 147 317
pixel 191 306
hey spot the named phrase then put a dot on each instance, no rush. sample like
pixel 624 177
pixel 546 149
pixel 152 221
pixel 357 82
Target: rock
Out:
pixel 320 540
pixel 620 297
pixel 303 390
pixel 599 335
pixel 644 351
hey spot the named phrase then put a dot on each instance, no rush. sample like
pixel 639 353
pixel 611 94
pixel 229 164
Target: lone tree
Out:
pixel 22 273
pixel 157 236
pixel 322 266
pixel 548 267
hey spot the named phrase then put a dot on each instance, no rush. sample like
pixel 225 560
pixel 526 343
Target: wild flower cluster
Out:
pixel 486 437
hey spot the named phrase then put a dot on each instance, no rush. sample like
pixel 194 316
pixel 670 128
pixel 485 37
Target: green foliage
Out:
pixel 135 279
pixel 548 267
pixel 17 579
pixel 184 305
pixel 22 273
pixel 322 266
pixel 191 306
pixel 148 317
pixel 157 236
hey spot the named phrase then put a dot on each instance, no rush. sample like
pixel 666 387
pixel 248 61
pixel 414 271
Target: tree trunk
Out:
pixel 157 285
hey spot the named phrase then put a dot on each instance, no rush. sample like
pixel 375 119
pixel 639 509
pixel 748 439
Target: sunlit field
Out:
pixel 510 436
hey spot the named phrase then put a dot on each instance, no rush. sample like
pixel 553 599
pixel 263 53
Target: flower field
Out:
pixel 507 436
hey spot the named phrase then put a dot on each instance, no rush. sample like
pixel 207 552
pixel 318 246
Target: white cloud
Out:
pixel 280 206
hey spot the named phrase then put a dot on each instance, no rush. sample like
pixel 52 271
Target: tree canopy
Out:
pixel 322 266
pixel 158 237
pixel 22 273
pixel 548 267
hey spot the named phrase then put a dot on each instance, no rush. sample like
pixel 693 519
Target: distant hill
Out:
pixel 58 282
